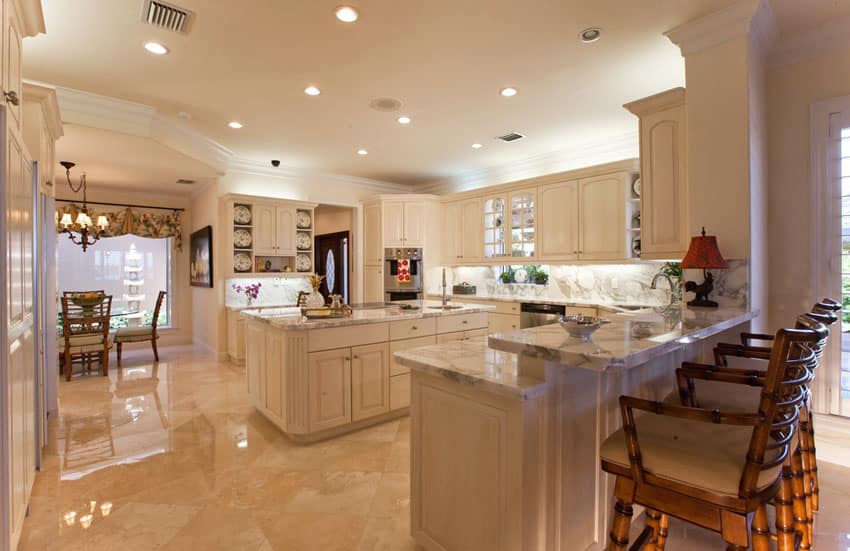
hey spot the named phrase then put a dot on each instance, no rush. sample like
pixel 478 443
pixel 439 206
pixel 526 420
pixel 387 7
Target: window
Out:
pixel 130 268
pixel 844 177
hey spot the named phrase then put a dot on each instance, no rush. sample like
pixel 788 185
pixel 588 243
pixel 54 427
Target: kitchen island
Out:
pixel 315 379
pixel 505 436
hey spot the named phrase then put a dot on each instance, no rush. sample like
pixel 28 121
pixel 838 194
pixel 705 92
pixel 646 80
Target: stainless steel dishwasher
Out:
pixel 532 315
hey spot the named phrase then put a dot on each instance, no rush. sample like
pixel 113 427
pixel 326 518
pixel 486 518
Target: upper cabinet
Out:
pixel 274 230
pixel 558 214
pixel 463 234
pixel 451 244
pixel 395 221
pixel 403 223
pixel 373 248
pixel 602 217
pixel 12 61
pixel 663 165
pixel 522 238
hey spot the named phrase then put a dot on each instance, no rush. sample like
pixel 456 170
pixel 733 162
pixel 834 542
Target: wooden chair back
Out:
pixel 159 299
pixel 72 293
pixel 791 366
pixel 85 319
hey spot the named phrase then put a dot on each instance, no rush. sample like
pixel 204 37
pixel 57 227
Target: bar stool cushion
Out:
pixel 131 334
pixel 731 398
pixel 703 455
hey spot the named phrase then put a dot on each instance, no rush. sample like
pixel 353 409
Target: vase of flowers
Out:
pixel 251 291
pixel 315 298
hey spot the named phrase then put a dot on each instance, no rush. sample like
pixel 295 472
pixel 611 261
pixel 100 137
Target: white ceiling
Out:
pixel 112 159
pixel 444 59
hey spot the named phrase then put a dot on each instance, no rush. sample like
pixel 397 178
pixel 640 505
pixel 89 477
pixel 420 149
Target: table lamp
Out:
pixel 703 254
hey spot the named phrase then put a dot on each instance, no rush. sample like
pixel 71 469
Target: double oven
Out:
pixel 403 274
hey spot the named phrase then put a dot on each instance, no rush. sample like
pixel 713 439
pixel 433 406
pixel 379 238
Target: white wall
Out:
pixel 209 327
pixel 792 89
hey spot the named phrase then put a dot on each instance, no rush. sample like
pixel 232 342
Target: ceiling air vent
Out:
pixel 511 137
pixel 185 181
pixel 166 16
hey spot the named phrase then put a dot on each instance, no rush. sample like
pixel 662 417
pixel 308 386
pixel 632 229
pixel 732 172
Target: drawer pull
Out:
pixel 414 328
pixel 348 359
pixel 465 322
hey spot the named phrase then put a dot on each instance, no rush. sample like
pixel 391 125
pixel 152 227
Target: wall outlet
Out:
pixel 615 284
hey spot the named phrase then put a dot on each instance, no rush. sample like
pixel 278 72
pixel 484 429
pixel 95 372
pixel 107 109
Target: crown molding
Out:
pixel 812 42
pixel 715 28
pixel 609 150
pixel 32 17
pixel 46 96
pixel 287 173
pixel 658 102
pixel 190 142
pixel 104 112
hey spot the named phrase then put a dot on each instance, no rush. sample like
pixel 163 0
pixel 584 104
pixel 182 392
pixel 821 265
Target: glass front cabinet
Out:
pixel 509 225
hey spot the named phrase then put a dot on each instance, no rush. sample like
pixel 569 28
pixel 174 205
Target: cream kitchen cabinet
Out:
pixel 558 213
pixel 274 230
pixel 370 381
pixel 602 218
pixel 403 223
pixel 450 233
pixel 235 337
pixel 373 248
pixel 373 283
pixel 472 233
pixel 663 166
pixel 329 389
pixel 501 323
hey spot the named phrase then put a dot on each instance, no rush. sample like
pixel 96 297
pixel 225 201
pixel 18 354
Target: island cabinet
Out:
pixel 320 382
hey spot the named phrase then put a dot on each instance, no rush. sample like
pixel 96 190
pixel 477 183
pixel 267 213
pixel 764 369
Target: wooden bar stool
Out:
pixel 712 468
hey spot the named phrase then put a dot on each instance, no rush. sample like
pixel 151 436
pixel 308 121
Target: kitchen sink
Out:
pixel 446 307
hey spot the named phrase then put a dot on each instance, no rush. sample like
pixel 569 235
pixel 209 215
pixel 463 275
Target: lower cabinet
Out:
pixel 462 335
pixel 502 323
pixel 373 284
pixel 400 391
pixel 330 389
pixel 370 374
pixel 235 337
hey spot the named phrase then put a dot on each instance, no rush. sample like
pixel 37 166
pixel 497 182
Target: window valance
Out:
pixel 125 221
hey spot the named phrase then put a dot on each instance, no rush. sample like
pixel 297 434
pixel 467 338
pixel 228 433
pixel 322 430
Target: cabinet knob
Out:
pixel 356 357
pixel 12 97
pixel 347 359
pixel 465 322
pixel 414 328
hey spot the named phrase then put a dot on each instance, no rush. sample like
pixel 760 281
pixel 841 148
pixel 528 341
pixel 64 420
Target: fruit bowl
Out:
pixel 582 327
pixel 87 300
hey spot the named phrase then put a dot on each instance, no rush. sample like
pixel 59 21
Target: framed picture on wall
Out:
pixel 201 258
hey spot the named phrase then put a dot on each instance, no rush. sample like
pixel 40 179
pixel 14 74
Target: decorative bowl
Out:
pixel 582 327
pixel 87 300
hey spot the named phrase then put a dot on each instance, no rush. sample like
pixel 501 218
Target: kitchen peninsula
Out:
pixel 315 379
pixel 505 435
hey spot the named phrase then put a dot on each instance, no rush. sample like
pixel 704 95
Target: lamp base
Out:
pixel 702 303
pixel 702 291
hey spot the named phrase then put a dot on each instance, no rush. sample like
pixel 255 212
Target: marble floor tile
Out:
pixel 172 456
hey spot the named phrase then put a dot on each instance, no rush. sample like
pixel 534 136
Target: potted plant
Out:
pixel 251 291
pixel 674 271
pixel 507 276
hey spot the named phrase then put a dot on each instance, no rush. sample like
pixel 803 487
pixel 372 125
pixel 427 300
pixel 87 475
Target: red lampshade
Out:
pixel 704 254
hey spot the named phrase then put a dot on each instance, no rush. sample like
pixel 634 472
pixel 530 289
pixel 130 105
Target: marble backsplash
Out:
pixel 603 283
pixel 276 291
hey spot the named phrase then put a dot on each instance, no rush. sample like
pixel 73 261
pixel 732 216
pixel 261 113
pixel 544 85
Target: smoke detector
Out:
pixel 511 137
pixel 167 16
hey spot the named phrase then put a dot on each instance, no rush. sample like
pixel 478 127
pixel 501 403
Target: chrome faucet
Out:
pixel 654 285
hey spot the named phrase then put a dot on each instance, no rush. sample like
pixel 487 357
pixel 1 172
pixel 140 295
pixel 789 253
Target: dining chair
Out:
pixel 141 334
pixel 85 331
pixel 714 468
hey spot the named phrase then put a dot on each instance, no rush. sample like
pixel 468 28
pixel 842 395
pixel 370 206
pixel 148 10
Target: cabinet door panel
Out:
pixel 558 221
pixel 399 391
pixel 285 230
pixel 472 242
pixel 370 378
pixel 15 235
pixel 602 221
pixel 414 223
pixel 373 284
pixel 498 323
pixel 393 223
pixel 451 236
pixel 274 369
pixel 255 357
pixel 407 344
pixel 12 62
pixel 264 229
pixel 330 389
pixel 373 247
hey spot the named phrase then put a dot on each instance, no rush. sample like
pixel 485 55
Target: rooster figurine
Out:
pixel 701 291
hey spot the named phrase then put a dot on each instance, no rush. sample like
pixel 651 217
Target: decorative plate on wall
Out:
pixel 303 263
pixel 241 262
pixel 241 215
pixel 242 239
pixel 636 246
pixel 303 241
pixel 303 219
pixel 636 187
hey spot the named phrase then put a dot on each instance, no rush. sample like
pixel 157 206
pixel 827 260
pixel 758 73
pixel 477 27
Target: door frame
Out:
pixel 824 246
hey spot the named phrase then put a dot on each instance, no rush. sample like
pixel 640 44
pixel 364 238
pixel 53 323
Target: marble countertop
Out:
pixel 629 340
pixel 472 362
pixel 290 319
pixel 240 307
pixel 546 300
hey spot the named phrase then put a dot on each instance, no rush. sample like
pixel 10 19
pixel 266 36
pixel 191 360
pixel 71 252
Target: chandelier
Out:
pixel 81 231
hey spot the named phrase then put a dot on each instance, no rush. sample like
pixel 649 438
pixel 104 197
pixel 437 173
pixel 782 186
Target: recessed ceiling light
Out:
pixel 235 124
pixel 589 35
pixel 477 146
pixel 346 14
pixel 156 48
pixel 404 120
pixel 312 91
pixel 362 152
pixel 508 92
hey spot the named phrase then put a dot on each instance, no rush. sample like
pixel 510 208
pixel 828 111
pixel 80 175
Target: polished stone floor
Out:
pixel 172 456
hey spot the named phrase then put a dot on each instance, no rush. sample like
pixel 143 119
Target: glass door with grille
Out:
pixel 840 161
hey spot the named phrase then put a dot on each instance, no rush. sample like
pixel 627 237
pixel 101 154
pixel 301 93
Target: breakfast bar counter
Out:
pixel 505 439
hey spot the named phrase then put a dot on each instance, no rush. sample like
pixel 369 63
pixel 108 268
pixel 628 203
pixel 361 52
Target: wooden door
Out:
pixel 370 381
pixel 414 223
pixel 393 224
pixel 472 238
pixel 264 229
pixel 332 262
pixel 285 231
pixel 330 389
pixel 602 217
pixel 558 221
pixel 450 238
pixel 373 247
pixel 373 283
